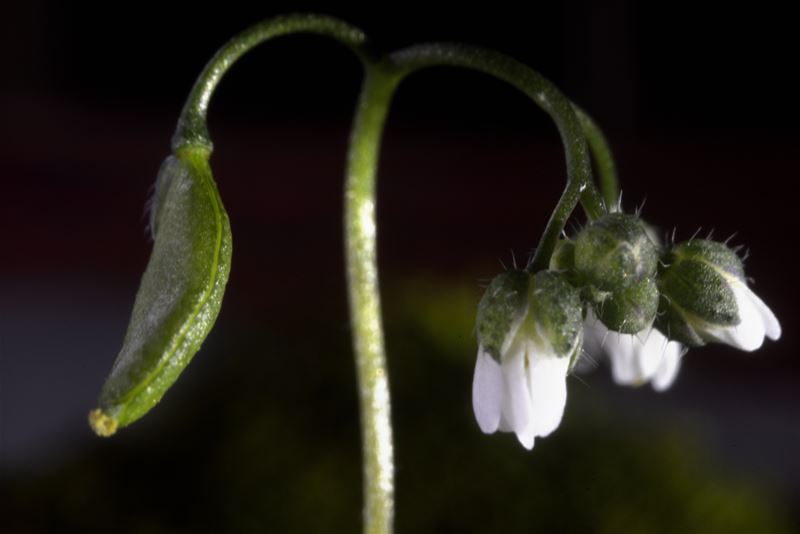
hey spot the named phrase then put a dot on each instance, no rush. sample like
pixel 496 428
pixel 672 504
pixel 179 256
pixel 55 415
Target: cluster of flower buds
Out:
pixel 613 290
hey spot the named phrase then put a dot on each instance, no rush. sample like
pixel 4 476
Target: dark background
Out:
pixel 261 432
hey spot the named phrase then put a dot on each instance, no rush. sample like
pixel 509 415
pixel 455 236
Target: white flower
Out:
pixel 756 320
pixel 647 356
pixel 526 394
pixel 529 328
pixel 705 298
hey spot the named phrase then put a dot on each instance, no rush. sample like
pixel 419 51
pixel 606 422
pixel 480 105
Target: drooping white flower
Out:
pixel 526 394
pixel 756 320
pixel 647 356
pixel 705 298
pixel 529 329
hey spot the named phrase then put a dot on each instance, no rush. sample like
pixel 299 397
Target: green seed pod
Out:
pixel 632 309
pixel 615 252
pixel 180 294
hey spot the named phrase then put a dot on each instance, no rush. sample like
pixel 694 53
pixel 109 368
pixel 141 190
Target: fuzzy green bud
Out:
pixel 615 252
pixel 631 309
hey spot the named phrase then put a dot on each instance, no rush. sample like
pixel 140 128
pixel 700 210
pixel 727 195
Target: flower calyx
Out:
pixel 705 298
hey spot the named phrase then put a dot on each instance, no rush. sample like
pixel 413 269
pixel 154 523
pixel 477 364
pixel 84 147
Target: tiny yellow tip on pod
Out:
pixel 102 424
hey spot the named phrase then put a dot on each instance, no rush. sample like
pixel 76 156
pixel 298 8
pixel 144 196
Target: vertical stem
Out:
pixel 365 311
pixel 360 229
pixel 598 144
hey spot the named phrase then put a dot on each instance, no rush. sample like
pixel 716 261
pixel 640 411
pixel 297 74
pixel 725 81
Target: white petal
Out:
pixel 488 391
pixel 635 359
pixel 648 352
pixel 670 364
pixel 547 375
pixel 749 333
pixel 504 426
pixel 771 325
pixel 598 340
pixel 517 401
pixel 621 351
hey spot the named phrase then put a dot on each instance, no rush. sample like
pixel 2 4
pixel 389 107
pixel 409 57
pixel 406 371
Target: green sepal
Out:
pixel 615 252
pixel 714 253
pixel 673 323
pixel 555 308
pixel 631 309
pixel 180 293
pixel 576 353
pixel 501 308
pixel 696 292
pixel 563 258
pixel 699 289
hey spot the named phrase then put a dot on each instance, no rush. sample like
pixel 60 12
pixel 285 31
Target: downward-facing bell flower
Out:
pixel 647 356
pixel 705 298
pixel 529 332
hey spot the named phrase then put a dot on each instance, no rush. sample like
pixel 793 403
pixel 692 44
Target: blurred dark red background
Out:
pixel 699 104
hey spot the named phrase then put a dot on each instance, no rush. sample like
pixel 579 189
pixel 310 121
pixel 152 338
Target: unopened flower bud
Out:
pixel 705 298
pixel 632 309
pixel 615 252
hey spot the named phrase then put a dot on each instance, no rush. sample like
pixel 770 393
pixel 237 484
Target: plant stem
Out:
pixel 580 186
pixel 192 129
pixel 365 311
pixel 360 232
pixel 380 80
pixel 604 159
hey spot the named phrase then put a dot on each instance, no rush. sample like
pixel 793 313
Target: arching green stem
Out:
pixel 580 186
pixel 381 79
pixel 192 129
pixel 362 271
pixel 604 159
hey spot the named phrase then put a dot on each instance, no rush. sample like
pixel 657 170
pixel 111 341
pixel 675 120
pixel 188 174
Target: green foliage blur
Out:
pixel 261 435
